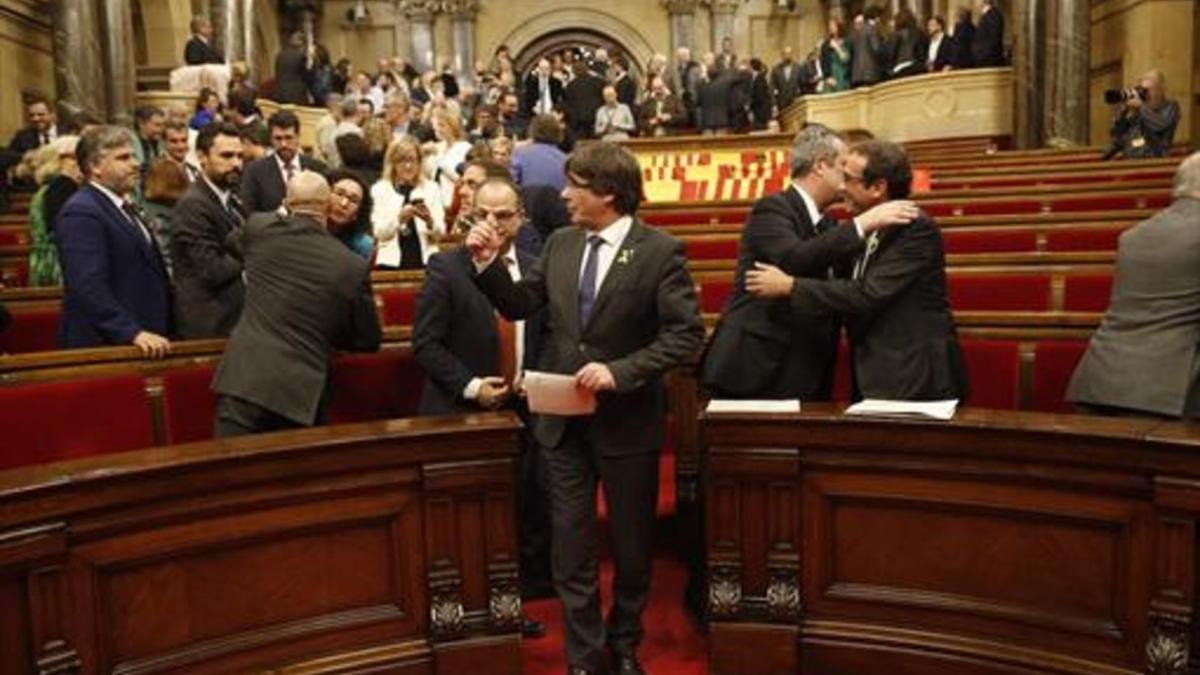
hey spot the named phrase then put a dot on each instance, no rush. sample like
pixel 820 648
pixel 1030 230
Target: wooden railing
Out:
pixel 999 542
pixel 378 547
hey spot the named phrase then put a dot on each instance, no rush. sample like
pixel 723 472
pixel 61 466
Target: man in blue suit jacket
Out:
pixel 465 347
pixel 117 291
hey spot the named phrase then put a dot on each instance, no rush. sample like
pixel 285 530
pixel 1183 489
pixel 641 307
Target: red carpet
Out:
pixel 672 646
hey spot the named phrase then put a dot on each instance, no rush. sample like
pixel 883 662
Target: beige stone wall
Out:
pixel 26 52
pixel 1130 37
pixel 166 28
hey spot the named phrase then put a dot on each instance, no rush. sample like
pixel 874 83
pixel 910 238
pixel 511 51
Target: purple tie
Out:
pixel 587 282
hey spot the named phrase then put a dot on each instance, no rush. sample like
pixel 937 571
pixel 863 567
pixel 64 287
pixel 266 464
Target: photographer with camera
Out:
pixel 1146 125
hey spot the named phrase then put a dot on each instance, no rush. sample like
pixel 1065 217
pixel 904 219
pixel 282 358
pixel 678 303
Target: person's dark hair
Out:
pixel 579 69
pixel 887 161
pixel 621 62
pixel 491 168
pixel 839 29
pixel 489 108
pixel 940 20
pixel 545 129
pixel 363 222
pixel 96 141
pixel 503 48
pixel 175 126
pixel 608 169
pixel 241 103
pixel 208 135
pixel 166 181
pixel 962 14
pixel 144 113
pixel 78 121
pixel 349 107
pixel 33 99
pixel 873 12
pixel 370 104
pixel 757 65
pixel 353 151
pixel 284 119
pixel 905 19
pixel 203 97
pixel 480 150
pixel 258 134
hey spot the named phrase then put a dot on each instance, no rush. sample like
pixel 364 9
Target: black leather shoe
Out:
pixel 531 628
pixel 626 663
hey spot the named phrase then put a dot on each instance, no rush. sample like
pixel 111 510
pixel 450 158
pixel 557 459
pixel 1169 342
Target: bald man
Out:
pixel 306 296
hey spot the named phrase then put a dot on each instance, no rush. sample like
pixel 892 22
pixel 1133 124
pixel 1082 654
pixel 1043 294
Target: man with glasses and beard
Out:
pixel 209 290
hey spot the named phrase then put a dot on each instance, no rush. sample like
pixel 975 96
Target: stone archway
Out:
pixel 533 37
pixel 574 38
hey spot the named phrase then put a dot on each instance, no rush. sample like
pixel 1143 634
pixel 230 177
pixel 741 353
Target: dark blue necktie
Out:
pixel 587 282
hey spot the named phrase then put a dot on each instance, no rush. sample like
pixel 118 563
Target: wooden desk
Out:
pixel 1000 542
pixel 377 547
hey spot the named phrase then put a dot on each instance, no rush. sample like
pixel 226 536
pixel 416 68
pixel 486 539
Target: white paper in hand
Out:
pixel 554 394
pixel 877 407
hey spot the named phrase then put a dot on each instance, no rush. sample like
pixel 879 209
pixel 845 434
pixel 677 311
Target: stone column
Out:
pixel 420 21
pixel 1068 24
pixel 723 12
pixel 683 24
pixel 119 60
pixel 79 57
pixel 1029 72
pixel 226 17
pixel 250 46
pixel 462 14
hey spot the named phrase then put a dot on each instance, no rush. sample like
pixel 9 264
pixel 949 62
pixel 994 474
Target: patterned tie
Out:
pixel 135 215
pixel 234 206
pixel 587 282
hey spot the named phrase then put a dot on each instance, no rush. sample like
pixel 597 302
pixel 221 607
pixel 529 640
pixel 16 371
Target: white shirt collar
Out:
pixel 813 212
pixel 614 233
pixel 116 199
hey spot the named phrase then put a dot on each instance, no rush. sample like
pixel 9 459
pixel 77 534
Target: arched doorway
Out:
pixel 584 41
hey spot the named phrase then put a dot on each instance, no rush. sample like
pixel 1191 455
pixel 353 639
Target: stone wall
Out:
pixel 26 55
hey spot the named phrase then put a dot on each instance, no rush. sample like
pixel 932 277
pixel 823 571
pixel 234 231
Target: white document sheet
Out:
pixel 877 407
pixel 748 405
pixel 554 394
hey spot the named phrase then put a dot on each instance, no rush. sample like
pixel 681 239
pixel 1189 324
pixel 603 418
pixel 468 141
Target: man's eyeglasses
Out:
pixel 501 216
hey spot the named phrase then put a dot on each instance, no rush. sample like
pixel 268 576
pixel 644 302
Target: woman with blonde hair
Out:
pixel 58 174
pixel 449 152
pixel 408 217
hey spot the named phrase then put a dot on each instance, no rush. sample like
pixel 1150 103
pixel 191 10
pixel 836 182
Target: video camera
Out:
pixel 1115 96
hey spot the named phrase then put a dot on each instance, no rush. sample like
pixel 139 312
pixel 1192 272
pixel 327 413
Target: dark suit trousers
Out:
pixel 631 491
pixel 238 417
pixel 533 517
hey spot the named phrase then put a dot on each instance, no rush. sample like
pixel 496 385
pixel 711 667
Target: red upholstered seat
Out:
pixel 1054 363
pixel 1083 239
pixel 375 386
pixel 14 237
pixel 695 217
pixel 190 404
pixel 53 421
pixel 713 294
pixel 994 372
pixel 33 330
pixel 398 305
pixel 1000 292
pixel 991 241
pixel 711 249
pixel 1087 292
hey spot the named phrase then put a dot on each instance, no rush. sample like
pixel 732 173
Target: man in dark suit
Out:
pixel 208 269
pixel 870 60
pixel 291 72
pixel 624 84
pixel 759 349
pixel 987 47
pixel 543 93
pixel 939 50
pixel 473 357
pixel 199 49
pixel 307 294
pixel 903 343
pixel 1142 360
pixel 964 39
pixel 786 80
pixel 265 182
pixel 621 312
pixel 116 287
pixel 39 130
pixel 582 97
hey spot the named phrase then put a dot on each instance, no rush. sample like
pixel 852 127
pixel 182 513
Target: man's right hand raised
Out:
pixel 153 346
pixel 888 214
pixel 483 241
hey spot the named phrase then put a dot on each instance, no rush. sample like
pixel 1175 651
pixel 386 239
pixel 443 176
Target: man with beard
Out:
pixel 267 178
pixel 116 290
pixel 208 269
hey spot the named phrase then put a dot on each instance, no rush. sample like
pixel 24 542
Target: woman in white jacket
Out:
pixel 408 217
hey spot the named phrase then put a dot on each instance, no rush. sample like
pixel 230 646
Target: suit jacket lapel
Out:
pixel 621 269
pixel 805 227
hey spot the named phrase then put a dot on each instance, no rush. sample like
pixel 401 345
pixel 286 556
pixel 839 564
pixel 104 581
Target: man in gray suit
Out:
pixel 306 295
pixel 621 311
pixel 1144 358
pixel 869 64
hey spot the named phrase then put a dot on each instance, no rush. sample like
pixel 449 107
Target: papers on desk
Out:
pixel 554 394
pixel 877 407
pixel 737 405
